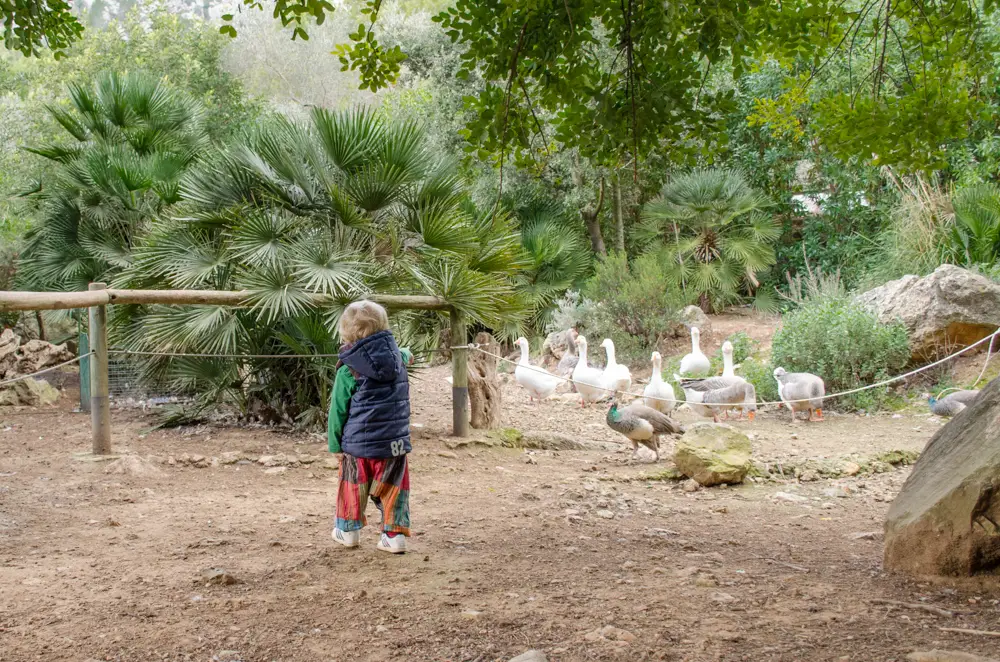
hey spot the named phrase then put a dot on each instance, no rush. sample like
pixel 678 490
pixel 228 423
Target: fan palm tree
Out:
pixel 973 237
pixel 344 205
pixel 712 233
pixel 129 139
pixel 559 256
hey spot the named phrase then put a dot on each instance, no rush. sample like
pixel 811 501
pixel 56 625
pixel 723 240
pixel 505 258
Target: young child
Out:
pixel 370 425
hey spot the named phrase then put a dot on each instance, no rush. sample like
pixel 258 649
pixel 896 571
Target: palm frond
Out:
pixel 348 139
pixel 275 293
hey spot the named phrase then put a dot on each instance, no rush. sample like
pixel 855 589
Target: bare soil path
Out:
pixel 570 552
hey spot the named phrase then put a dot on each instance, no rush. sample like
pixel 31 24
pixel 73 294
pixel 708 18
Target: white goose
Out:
pixel 801 391
pixel 616 375
pixel 539 382
pixel 727 360
pixel 714 395
pixel 695 363
pixel 589 381
pixel 658 394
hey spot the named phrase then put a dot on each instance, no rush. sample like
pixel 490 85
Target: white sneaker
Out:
pixel 347 538
pixel 394 545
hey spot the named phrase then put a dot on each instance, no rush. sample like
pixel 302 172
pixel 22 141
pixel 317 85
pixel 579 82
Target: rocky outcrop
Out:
pixel 713 453
pixel 946 519
pixel 694 316
pixel 943 311
pixel 29 392
pixel 17 360
pixel 23 359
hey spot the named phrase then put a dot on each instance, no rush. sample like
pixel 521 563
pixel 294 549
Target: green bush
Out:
pixel 635 306
pixel 845 345
pixel 761 375
pixel 743 348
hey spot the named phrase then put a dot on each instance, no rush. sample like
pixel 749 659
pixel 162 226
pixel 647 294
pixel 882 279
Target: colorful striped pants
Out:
pixel 386 481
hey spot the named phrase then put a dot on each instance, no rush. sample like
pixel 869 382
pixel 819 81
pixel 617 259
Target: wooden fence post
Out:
pixel 83 350
pixel 459 376
pixel 100 405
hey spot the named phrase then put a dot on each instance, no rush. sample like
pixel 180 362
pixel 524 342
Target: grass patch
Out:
pixel 897 458
pixel 666 474
pixel 508 437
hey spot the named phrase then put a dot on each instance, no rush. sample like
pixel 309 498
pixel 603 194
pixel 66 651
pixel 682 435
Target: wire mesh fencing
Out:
pixel 127 386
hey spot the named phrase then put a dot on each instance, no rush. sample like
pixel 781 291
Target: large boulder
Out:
pixel 38 354
pixel 557 345
pixel 713 453
pixel 946 310
pixel 946 519
pixel 23 359
pixel 30 392
pixel 694 316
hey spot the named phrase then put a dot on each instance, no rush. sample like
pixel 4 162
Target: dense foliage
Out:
pixel 33 25
pixel 712 234
pixel 631 303
pixel 846 345
pixel 932 225
pixel 344 205
pixel 131 138
pixel 541 164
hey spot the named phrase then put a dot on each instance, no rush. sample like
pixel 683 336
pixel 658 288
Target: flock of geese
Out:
pixel 646 418
pixel 706 395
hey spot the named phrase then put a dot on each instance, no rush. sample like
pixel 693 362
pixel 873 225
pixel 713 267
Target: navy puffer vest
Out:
pixel 378 421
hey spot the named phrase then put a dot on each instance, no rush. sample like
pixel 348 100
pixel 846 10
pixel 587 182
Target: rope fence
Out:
pixel 885 382
pixel 478 348
pixel 128 352
pixel 98 297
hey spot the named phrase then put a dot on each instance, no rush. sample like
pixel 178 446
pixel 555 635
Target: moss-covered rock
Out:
pixel 713 453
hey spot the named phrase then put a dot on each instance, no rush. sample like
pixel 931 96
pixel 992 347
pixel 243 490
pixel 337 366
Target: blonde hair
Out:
pixel 362 319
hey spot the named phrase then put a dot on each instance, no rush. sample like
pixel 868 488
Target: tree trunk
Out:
pixel 206 10
pixel 484 387
pixel 616 213
pixel 41 325
pixel 591 214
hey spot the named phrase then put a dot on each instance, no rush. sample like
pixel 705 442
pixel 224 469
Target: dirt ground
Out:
pixel 575 553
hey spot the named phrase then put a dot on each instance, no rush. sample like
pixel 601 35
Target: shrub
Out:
pixel 572 310
pixel 814 286
pixel 635 305
pixel 761 375
pixel 845 345
pixel 743 347
pixel 934 224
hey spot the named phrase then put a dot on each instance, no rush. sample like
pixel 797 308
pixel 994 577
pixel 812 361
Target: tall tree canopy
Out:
pixel 618 79
pixel 32 25
pixel 631 76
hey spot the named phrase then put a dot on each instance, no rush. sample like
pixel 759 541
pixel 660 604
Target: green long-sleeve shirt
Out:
pixel 344 386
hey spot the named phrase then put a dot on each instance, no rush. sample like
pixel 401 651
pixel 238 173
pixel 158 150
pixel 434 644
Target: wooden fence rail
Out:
pixel 88 299
pixel 99 296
